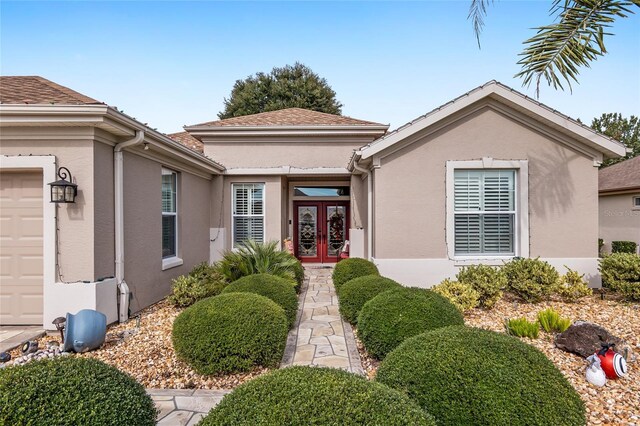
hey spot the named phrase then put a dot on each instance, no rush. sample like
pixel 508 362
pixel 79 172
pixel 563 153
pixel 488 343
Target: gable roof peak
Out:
pixel 33 89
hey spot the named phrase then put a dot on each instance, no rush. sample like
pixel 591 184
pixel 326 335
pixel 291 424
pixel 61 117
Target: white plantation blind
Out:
pixel 484 209
pixel 248 212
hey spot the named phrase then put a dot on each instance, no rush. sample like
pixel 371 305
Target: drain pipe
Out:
pixel 118 191
pixel 369 209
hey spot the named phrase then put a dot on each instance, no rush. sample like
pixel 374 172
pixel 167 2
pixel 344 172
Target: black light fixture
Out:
pixel 63 190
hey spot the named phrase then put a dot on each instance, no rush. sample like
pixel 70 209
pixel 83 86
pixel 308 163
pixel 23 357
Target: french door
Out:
pixel 320 228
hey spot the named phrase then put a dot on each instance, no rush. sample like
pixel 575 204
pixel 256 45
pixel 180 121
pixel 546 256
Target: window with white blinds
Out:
pixel 169 213
pixel 485 212
pixel 248 212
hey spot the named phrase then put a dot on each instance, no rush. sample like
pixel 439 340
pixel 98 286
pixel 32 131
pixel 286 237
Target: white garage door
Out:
pixel 21 272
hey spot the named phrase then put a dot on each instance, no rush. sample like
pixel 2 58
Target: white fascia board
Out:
pixel 287 170
pixel 500 93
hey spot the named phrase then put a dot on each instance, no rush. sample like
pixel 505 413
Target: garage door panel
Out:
pixel 21 248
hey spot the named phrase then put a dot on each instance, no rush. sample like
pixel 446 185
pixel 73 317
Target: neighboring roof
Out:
pixel 39 90
pixel 187 140
pixel 516 100
pixel 288 117
pixel 621 176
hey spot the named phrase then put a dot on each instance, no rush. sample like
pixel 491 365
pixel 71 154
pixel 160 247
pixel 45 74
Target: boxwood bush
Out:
pixel 469 376
pixel 624 247
pixel 532 280
pixel 280 290
pixel 488 281
pixel 315 396
pixel 230 333
pixel 389 318
pixel 203 281
pixel 355 293
pixel 72 391
pixel 351 268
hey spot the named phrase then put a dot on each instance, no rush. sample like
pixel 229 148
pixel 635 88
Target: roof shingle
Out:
pixel 621 176
pixel 39 90
pixel 289 117
pixel 187 140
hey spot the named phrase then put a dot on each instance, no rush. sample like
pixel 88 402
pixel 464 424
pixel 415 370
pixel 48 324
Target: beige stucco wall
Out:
pixel 104 231
pixel 410 190
pixel 619 220
pixel 272 206
pixel 303 154
pixel 73 149
pixel 143 227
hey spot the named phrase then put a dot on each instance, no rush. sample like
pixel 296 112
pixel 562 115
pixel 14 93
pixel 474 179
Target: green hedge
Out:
pixel 532 280
pixel 280 290
pixel 469 376
pixel 623 247
pixel 230 333
pixel 351 268
pixel 621 273
pixel 72 391
pixel 315 396
pixel 391 317
pixel 355 293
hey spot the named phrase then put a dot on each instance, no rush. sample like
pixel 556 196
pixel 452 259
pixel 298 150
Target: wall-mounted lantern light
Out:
pixel 63 190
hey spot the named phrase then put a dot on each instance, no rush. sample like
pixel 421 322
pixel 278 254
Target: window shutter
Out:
pixel 467 233
pixel 248 212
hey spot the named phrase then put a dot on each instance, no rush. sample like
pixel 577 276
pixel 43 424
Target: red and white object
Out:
pixel 613 364
pixel 595 375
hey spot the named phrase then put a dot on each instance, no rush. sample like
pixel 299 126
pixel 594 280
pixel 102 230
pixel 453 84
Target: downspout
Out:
pixel 369 209
pixel 118 190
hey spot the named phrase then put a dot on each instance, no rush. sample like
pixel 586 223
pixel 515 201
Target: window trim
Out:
pixel 263 215
pixel 521 224
pixel 635 204
pixel 174 260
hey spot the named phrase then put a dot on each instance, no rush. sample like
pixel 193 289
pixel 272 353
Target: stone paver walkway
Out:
pixel 12 336
pixel 184 407
pixel 321 338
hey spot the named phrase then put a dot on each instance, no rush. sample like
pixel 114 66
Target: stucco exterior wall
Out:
pixel 304 154
pixel 73 149
pixel 104 230
pixel 143 228
pixel 272 206
pixel 619 220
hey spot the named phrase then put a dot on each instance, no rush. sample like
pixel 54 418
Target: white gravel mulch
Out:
pixel 617 403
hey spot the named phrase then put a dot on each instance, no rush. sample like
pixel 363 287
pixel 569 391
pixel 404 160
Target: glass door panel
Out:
pixel 308 231
pixel 336 229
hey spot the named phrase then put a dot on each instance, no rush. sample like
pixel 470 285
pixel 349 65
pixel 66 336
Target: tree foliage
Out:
pixel 573 40
pixel 622 129
pixel 286 87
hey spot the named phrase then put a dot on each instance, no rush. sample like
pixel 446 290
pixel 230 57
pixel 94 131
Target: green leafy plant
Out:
pixel 229 333
pixel 462 295
pixel 624 247
pixel 488 281
pixel 551 322
pixel 315 396
pixel 351 268
pixel 72 391
pixel 600 246
pixel 522 328
pixel 355 293
pixel 469 376
pixel 280 290
pixel 621 273
pixel 572 286
pixel 256 258
pixel 203 281
pixel 532 280
pixel 391 317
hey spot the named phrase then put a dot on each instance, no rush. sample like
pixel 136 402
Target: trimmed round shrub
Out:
pixel 355 293
pixel 395 315
pixel 348 269
pixel 229 333
pixel 280 290
pixel 469 376
pixel 462 295
pixel 315 396
pixel 72 391
pixel 486 280
pixel 531 279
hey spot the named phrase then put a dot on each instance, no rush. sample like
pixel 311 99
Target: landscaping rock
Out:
pixel 584 338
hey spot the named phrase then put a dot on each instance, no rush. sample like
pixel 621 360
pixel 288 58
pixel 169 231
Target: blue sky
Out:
pixel 172 63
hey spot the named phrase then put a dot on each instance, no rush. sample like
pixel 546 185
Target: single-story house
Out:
pixel 487 177
pixel 619 189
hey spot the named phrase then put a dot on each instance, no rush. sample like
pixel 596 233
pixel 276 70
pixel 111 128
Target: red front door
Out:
pixel 321 228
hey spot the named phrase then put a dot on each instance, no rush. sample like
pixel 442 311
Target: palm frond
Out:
pixel 557 51
pixel 477 13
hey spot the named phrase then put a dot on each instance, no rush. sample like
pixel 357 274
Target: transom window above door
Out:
pixel 248 212
pixel 484 212
pixel 321 191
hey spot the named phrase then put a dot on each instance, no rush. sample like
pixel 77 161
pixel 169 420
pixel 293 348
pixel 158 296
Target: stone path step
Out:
pixel 320 337
pixel 184 407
